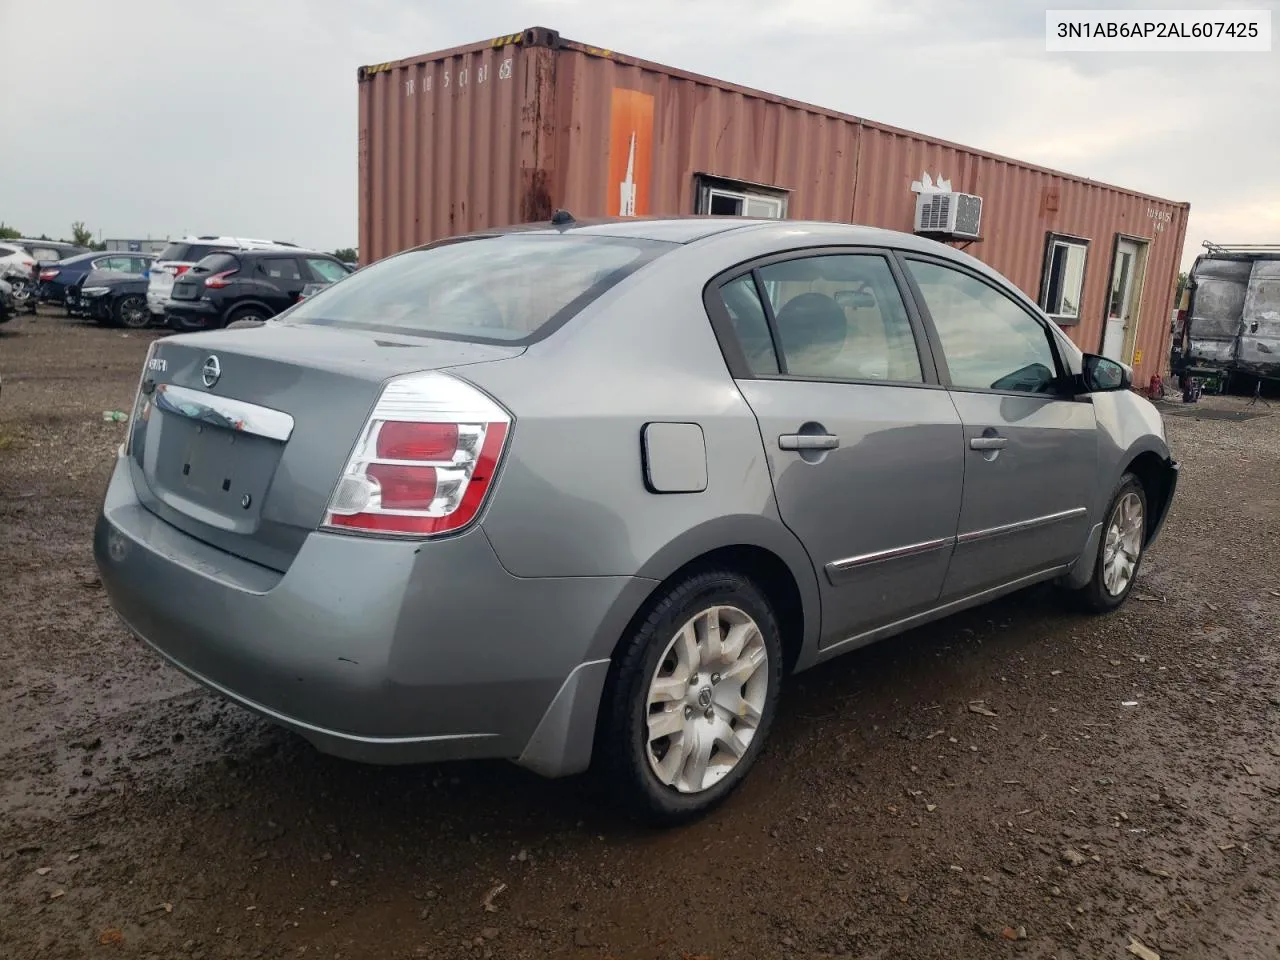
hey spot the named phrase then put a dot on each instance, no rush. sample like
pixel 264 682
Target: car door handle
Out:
pixel 987 443
pixel 808 441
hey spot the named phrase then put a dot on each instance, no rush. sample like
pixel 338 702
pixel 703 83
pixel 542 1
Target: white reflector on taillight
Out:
pixel 425 460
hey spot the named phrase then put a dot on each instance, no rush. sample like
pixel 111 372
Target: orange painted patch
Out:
pixel 631 116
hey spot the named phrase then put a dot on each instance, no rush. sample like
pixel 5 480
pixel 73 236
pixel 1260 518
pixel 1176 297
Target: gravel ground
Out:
pixel 141 817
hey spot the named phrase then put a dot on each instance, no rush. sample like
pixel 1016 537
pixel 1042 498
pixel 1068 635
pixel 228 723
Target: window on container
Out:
pixel 513 288
pixel 718 197
pixel 1062 286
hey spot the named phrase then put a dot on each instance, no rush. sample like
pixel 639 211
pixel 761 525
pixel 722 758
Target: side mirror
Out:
pixel 1101 375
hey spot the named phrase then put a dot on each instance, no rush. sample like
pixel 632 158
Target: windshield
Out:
pixel 187 252
pixel 217 263
pixel 493 289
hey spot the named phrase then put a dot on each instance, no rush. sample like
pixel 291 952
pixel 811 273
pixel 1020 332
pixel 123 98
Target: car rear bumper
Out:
pixel 156 302
pixel 192 314
pixel 376 650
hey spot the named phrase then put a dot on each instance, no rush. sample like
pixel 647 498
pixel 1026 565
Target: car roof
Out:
pixel 670 229
pixel 693 228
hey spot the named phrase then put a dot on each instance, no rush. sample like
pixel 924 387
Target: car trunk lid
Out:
pixel 242 434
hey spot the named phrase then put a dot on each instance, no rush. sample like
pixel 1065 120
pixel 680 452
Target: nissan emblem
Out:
pixel 211 371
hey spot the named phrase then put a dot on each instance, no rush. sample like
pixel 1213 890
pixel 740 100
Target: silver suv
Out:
pixel 583 494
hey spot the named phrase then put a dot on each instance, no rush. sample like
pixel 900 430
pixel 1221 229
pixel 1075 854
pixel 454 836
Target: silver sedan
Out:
pixel 581 495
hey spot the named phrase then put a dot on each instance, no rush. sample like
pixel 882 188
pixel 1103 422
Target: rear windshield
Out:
pixel 216 263
pixel 491 290
pixel 187 252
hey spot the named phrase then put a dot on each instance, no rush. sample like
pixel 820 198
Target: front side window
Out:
pixel 841 317
pixel 501 289
pixel 327 270
pixel 988 340
pixel 1063 283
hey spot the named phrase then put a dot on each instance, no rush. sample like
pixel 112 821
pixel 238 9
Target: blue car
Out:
pixel 57 277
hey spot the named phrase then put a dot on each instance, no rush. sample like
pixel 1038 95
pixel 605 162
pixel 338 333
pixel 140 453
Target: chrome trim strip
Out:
pixel 935 613
pixel 224 412
pixel 974 535
pixel 894 553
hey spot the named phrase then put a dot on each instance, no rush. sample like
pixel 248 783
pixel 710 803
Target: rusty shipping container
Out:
pixel 508 130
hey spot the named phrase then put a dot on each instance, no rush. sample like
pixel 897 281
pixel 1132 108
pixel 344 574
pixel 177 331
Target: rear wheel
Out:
pixel 691 697
pixel 1120 553
pixel 131 311
pixel 250 314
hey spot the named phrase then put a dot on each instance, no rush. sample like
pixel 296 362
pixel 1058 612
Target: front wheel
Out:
pixel 1120 553
pixel 691 697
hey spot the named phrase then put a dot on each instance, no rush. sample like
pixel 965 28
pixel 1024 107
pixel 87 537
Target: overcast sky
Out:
pixel 167 117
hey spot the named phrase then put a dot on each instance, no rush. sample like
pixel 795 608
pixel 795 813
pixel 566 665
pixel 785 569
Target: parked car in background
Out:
pixel 14 255
pixel 17 269
pixel 246 285
pixel 116 300
pixel 57 279
pixel 49 249
pixel 613 482
pixel 106 266
pixel 8 309
pixel 181 255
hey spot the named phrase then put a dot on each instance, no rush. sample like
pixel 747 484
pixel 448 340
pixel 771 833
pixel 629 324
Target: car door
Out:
pixel 863 444
pixel 281 281
pixel 1030 442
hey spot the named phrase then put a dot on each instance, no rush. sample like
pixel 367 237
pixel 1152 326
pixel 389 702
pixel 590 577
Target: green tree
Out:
pixel 81 235
pixel 347 254
pixel 9 233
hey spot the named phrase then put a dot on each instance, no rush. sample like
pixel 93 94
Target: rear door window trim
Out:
pixel 735 357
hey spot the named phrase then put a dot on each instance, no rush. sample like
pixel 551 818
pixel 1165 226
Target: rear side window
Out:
pixel 504 289
pixel 279 268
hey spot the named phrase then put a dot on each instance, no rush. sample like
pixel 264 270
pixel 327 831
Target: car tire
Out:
pixel 131 311
pixel 1120 549
pixel 250 313
pixel 652 682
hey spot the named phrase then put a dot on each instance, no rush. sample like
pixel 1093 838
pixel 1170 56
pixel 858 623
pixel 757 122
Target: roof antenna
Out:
pixel 561 217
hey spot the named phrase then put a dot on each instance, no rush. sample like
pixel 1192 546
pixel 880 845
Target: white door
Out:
pixel 1121 304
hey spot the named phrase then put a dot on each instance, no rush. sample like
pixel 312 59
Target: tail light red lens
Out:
pixel 401 440
pixel 219 280
pixel 425 461
pixel 49 274
pixel 179 269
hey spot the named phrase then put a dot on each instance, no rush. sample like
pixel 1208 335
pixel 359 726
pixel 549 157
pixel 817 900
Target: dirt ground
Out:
pixel 1125 789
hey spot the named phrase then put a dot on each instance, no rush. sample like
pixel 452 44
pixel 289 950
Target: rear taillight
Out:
pixel 424 462
pixel 49 274
pixel 179 269
pixel 141 402
pixel 219 280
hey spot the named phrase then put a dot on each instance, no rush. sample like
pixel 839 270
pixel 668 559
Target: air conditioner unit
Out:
pixel 953 214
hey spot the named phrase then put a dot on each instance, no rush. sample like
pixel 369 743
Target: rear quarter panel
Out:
pixel 571 500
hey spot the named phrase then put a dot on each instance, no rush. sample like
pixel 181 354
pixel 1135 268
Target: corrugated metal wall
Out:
pixel 698 128
pixel 508 130
pixel 1020 205
pixel 452 142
